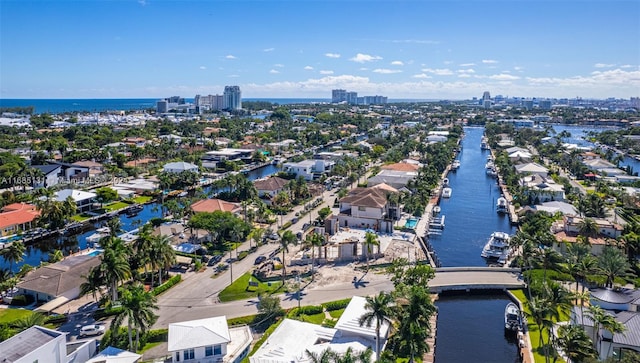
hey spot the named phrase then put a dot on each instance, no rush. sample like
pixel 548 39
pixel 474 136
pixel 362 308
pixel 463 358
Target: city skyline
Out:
pixel 305 49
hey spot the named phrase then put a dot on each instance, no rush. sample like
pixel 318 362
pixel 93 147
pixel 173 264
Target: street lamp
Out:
pixel 299 287
pixel 231 265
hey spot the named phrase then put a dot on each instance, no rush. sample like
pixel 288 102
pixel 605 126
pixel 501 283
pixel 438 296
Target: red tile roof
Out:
pixel 18 213
pixel 401 167
pixel 212 205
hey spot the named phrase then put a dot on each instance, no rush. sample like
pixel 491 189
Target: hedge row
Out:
pixel 164 287
pixel 103 313
pixel 306 310
pixel 243 320
pixel 56 319
pixel 242 255
pixel 159 335
pixel 336 305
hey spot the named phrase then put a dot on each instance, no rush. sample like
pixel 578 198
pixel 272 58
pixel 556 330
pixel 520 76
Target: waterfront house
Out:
pixel 567 230
pixel 179 167
pixel 367 208
pixel 532 169
pixel 59 282
pixel 598 164
pixel 212 205
pixel 40 344
pixel 395 178
pixel 17 217
pixel 84 200
pixel 542 189
pixel 208 340
pixel 95 169
pixel 292 338
pixel 270 187
pixel 71 172
pixel 50 175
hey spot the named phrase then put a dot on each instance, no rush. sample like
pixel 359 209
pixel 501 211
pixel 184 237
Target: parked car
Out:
pixel 260 259
pixel 89 330
pixel 273 236
pixel 214 259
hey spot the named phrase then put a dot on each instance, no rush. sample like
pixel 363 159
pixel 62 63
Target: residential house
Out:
pixel 59 282
pixel 17 217
pixel 135 141
pixel 542 189
pixel 40 344
pixel 532 169
pixel 268 188
pixel 208 340
pixel 598 164
pixel 50 175
pixel 212 205
pixel 520 156
pixel 567 230
pixel 95 169
pixel 71 172
pixel 303 168
pixel 115 355
pixel 84 200
pixel 395 178
pixel 622 305
pixel 179 167
pixel 367 208
pixel 292 339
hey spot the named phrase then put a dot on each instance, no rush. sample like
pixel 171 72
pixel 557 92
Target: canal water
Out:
pixel 470 327
pixel 38 252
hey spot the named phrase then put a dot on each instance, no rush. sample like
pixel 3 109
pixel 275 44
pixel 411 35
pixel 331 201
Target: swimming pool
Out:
pixel 95 253
pixel 411 223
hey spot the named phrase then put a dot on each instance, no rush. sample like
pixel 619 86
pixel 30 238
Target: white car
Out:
pixel 88 330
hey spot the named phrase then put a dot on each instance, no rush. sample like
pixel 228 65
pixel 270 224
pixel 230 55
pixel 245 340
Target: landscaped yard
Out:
pixel 142 199
pixel 80 217
pixel 240 289
pixel 115 206
pixel 10 315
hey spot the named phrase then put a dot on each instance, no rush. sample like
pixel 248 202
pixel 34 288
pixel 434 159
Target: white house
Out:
pixel 304 168
pixel 50 175
pixel 115 355
pixel 40 344
pixel 542 189
pixel 292 339
pixel 84 200
pixel 208 341
pixel 179 167
pixel 532 169
pixel 368 208
pixel 269 187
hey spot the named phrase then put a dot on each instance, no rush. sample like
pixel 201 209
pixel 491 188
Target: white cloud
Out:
pixel 386 71
pixel 332 55
pixel 279 65
pixel 269 49
pixel 603 65
pixel 326 72
pixel 447 62
pixel 438 72
pixel 308 68
pixel 518 68
pixel 464 75
pixel 421 75
pixel 362 58
pixel 397 63
pixel 467 64
pixel 503 77
pixel 203 67
pixel 230 57
pixel 466 71
pixel 626 66
pixel 142 2
pixel 274 71
pixel 489 61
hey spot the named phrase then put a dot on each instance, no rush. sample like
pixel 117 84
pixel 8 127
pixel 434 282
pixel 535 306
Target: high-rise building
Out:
pixel 232 98
pixel 162 106
pixel 338 95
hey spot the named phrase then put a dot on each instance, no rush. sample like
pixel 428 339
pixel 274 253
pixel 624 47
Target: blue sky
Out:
pixel 304 49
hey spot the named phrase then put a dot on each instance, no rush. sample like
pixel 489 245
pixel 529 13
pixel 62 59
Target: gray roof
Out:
pixel 631 335
pixel 46 169
pixel 18 346
pixel 621 296
pixel 58 278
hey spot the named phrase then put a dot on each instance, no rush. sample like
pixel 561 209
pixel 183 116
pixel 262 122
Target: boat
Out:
pixel 512 318
pixel 446 192
pixel 134 210
pixel 484 144
pixel 502 205
pixel 455 165
pixel 436 210
pixel 445 181
pixel 497 247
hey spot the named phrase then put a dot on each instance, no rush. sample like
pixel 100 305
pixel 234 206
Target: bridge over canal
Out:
pixel 476 278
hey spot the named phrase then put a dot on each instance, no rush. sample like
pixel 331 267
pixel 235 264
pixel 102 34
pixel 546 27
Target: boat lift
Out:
pixel 437 223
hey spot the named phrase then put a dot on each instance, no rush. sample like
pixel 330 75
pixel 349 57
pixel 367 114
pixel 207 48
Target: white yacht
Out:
pixel 445 181
pixel 446 192
pixel 455 165
pixel 502 205
pixel 497 247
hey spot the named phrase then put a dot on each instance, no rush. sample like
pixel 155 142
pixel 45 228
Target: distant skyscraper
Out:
pixel 232 98
pixel 162 106
pixel 338 95
pixel 486 96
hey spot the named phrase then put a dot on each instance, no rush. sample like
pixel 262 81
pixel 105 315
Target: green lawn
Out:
pixel 80 217
pixel 142 199
pixel 313 319
pixel 240 289
pixel 148 346
pixel 336 314
pixel 534 332
pixel 9 315
pixel 115 206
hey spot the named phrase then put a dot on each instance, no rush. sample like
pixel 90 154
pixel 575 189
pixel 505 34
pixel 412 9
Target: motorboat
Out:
pixel 497 247
pixel 436 210
pixel 446 192
pixel 502 205
pixel 445 181
pixel 100 233
pixel 134 210
pixel 455 165
pixel 484 144
pixel 492 172
pixel 512 318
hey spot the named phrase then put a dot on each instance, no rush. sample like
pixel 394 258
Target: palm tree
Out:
pixel 598 315
pixel 30 320
pixel 138 308
pixel 575 343
pixel 370 239
pixel 559 299
pixel 114 266
pixel 613 327
pixel 612 263
pixel 56 256
pixel 377 308
pixel 541 312
pixel 287 239
pixel 413 321
pixel 93 283
pixel 326 356
pixel 14 254
pixel 256 235
pixel 162 255
pixel 312 241
pixel 588 228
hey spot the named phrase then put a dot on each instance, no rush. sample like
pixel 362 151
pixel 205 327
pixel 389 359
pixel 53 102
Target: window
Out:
pixel 177 356
pixel 208 351
pixel 362 209
pixel 217 349
pixel 188 354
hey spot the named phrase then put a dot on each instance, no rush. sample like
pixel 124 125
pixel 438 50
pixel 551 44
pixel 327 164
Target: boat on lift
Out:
pixel 502 205
pixel 512 318
pixel 446 192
